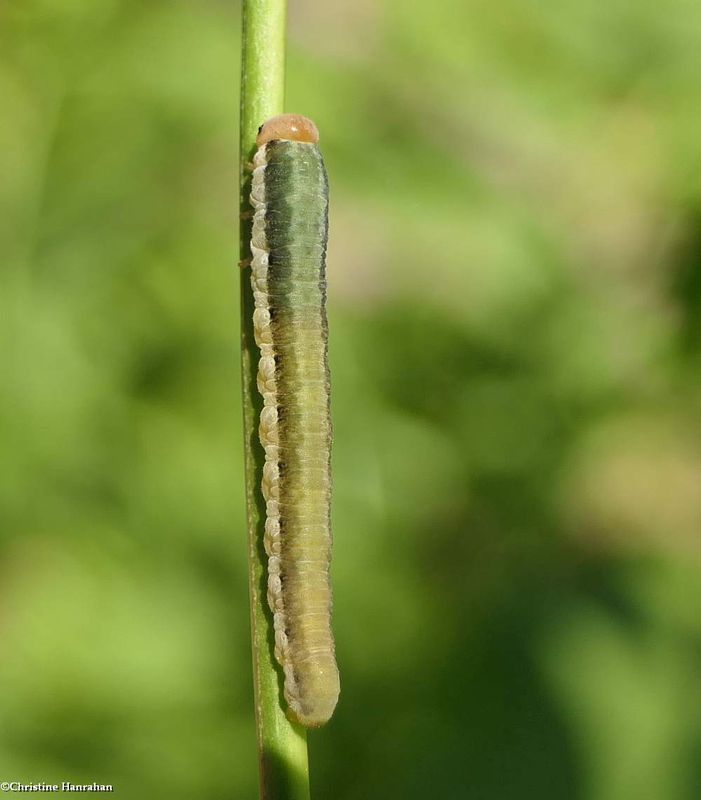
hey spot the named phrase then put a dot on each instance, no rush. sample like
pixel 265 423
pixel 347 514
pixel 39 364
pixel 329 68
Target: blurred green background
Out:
pixel 515 309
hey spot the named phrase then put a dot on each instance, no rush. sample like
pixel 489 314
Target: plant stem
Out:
pixel 282 746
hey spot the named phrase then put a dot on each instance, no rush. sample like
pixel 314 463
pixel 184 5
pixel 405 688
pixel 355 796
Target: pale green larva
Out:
pixel 289 194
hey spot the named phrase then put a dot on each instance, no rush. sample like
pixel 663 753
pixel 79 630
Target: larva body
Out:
pixel 289 194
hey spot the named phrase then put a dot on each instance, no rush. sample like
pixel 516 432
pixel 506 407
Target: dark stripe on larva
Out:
pixel 290 198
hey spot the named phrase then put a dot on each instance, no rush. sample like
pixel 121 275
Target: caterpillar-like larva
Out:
pixel 289 194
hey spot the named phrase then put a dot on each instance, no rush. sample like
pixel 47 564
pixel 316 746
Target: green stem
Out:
pixel 282 746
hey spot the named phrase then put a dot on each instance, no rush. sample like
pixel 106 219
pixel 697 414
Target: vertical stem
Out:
pixel 282 746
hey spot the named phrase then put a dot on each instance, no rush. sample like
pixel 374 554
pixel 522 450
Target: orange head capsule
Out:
pixel 291 127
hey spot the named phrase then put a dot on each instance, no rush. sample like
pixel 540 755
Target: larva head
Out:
pixel 290 127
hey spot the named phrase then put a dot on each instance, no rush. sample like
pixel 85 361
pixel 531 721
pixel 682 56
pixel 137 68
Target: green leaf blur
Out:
pixel 515 313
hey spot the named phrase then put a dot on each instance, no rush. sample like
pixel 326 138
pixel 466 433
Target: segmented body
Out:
pixel 289 195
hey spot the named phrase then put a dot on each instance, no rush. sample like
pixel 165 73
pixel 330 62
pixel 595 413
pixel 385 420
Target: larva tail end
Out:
pixel 313 717
pixel 290 127
pixel 313 702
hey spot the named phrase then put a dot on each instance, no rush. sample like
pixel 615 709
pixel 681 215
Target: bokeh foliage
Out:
pixel 515 278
